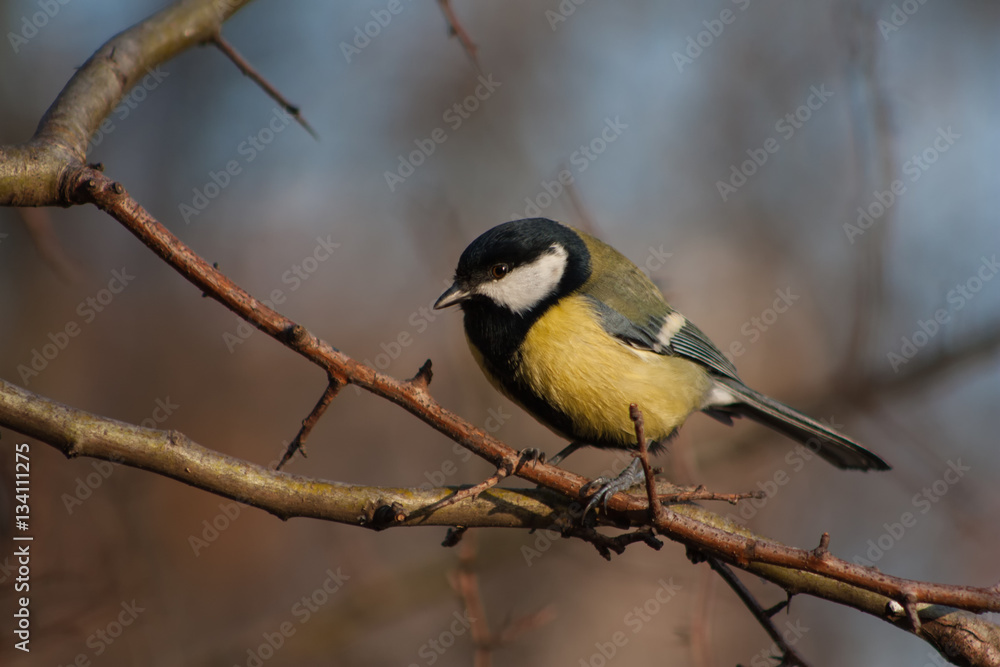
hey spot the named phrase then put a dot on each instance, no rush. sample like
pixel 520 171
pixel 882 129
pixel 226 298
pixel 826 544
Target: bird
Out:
pixel 574 333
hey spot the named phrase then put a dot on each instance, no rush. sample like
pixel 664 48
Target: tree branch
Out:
pixel 36 173
pixel 789 655
pixel 298 443
pixel 172 454
pixel 250 71
pixel 456 29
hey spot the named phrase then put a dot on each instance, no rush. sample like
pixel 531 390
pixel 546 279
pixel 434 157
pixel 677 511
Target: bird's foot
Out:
pixel 529 454
pixel 607 487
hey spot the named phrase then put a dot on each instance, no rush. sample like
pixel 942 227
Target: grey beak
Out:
pixel 451 296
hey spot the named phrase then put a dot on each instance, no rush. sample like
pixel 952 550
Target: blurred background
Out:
pixel 815 185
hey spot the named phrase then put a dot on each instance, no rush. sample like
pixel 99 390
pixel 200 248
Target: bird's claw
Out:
pixel 529 454
pixel 607 487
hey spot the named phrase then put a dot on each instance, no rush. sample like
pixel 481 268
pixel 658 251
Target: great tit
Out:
pixel 572 331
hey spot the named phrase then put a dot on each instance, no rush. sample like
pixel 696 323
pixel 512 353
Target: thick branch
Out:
pixel 172 454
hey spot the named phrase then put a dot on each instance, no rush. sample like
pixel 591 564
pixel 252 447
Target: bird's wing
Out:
pixel 633 310
pixel 669 334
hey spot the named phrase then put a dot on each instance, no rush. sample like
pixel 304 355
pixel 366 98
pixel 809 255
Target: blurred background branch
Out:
pixel 35 173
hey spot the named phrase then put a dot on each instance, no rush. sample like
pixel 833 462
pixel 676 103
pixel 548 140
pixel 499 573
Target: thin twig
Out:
pixel 244 66
pixel 655 507
pixel 701 493
pixel 473 491
pixel 789 654
pixel 456 29
pixel 606 544
pixel 299 441
pixel 476 490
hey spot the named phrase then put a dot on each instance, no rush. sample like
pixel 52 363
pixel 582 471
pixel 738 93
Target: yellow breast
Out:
pixel 575 366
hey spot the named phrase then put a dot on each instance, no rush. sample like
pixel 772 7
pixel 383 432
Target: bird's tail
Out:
pixel 835 447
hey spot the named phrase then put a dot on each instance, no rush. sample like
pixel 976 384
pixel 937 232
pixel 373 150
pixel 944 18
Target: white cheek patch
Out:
pixel 526 286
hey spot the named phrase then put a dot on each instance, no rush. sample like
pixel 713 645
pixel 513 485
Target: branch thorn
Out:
pixel 423 376
pixel 823 550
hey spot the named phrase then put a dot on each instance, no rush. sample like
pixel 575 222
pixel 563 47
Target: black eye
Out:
pixel 498 271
